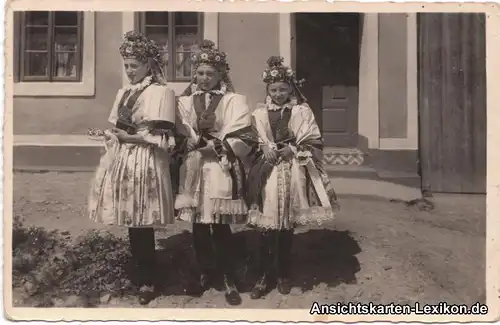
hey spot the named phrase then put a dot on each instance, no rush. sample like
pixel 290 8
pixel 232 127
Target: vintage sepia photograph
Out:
pixel 247 160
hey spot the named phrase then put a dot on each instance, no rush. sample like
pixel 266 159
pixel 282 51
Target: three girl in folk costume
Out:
pixel 289 185
pixel 216 122
pixel 132 185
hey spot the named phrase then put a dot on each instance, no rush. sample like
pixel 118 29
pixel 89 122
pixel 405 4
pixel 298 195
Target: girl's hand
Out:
pixel 208 151
pixel 270 155
pixel 119 133
pixel 107 135
pixel 207 121
pixel 191 144
pixel 286 153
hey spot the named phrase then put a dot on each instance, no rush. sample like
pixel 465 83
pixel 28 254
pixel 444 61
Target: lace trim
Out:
pixel 311 216
pixel 230 211
pixel 218 206
pixel 273 107
pixel 183 201
pixel 224 206
pixel 222 91
pixel 139 86
pixel 186 213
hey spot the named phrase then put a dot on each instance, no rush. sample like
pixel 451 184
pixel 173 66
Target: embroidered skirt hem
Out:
pixel 206 193
pixel 315 215
pixel 222 211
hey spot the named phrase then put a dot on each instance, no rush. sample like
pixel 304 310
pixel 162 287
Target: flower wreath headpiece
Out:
pixel 208 54
pixel 137 46
pixel 277 72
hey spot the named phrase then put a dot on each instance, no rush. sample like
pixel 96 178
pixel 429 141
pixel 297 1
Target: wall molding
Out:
pixel 411 140
pixel 211 26
pixel 394 144
pixel 412 80
pixel 285 37
pixel 368 101
pixel 54 140
pixel 84 88
pixel 128 24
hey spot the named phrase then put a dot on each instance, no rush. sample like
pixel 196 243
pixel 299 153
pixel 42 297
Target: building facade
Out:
pixel 361 73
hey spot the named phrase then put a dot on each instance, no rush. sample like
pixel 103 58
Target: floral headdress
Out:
pixel 276 71
pixel 207 54
pixel 137 46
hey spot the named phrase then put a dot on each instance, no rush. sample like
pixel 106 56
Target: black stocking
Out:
pixel 142 244
pixel 284 243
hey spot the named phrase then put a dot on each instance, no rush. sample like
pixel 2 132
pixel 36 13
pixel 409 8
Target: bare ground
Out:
pixel 376 251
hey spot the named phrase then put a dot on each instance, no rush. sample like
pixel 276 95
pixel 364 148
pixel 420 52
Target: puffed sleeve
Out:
pixel 113 116
pixel 185 120
pixel 260 122
pixel 237 130
pixel 237 115
pixel 160 108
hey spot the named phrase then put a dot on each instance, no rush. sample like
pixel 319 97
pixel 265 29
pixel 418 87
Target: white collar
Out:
pixel 274 107
pixel 139 86
pixel 222 91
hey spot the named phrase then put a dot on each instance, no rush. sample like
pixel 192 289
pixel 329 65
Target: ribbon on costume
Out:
pixel 315 180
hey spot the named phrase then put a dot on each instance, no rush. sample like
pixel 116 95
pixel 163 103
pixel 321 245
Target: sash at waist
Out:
pixel 133 128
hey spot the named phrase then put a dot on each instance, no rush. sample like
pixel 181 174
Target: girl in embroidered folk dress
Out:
pixel 132 185
pixel 217 126
pixel 288 184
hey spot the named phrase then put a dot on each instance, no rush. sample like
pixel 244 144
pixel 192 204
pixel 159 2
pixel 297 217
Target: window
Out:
pixel 50 48
pixel 177 34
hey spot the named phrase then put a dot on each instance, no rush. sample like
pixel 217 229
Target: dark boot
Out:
pixel 266 256
pixel 203 248
pixel 231 292
pixel 223 249
pixel 142 243
pixel 284 243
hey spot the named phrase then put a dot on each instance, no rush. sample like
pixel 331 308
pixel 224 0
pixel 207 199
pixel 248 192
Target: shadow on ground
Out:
pixel 319 256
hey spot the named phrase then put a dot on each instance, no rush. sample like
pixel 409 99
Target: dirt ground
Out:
pixel 376 251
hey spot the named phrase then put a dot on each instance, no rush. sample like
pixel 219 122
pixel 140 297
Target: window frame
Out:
pixel 50 51
pixel 85 87
pixel 140 25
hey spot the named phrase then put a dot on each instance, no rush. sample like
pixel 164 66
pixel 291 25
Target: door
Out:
pixel 452 102
pixel 327 56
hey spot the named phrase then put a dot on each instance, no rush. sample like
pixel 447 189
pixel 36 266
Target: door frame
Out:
pixel 368 98
pixel 288 50
pixel 411 140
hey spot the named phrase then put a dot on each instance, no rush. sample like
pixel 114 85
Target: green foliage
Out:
pixel 50 263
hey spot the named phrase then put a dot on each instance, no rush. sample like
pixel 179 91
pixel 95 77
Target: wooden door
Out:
pixel 327 56
pixel 452 102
